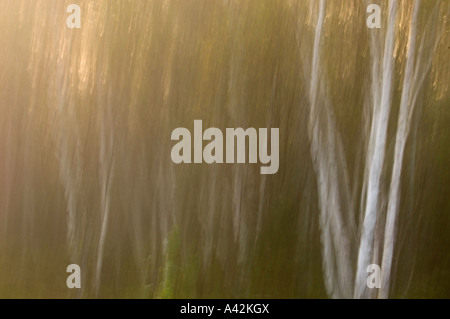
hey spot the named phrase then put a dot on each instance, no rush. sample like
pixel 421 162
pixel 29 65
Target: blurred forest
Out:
pixel 86 175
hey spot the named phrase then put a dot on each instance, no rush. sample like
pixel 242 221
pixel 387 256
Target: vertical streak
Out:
pixel 403 126
pixel 326 153
pixel 377 161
